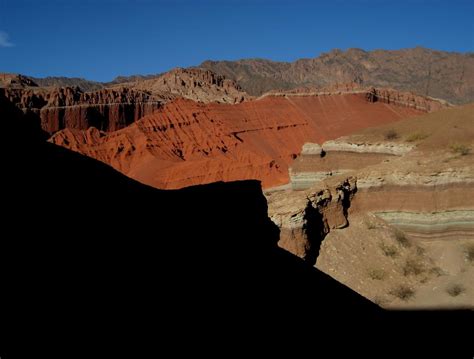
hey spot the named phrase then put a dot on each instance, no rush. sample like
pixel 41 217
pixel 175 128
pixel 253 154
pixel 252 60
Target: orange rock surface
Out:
pixel 186 142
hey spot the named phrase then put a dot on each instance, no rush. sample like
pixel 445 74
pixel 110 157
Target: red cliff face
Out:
pixel 185 143
pixel 113 108
pixel 106 109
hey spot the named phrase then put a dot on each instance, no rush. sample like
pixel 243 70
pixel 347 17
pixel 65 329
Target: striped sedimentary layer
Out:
pixel 428 204
pixel 432 226
pixel 333 158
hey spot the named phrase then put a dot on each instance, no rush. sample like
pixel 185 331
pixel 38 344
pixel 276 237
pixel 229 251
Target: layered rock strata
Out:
pixel 185 142
pixel 333 158
pixel 410 238
pixel 432 226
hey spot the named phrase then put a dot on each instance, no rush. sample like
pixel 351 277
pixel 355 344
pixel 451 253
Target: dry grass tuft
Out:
pixel 455 289
pixel 469 251
pixel 412 267
pixel 403 292
pixel 417 136
pixel 391 135
pixel 460 149
pixel 402 239
pixel 377 274
pixel 388 250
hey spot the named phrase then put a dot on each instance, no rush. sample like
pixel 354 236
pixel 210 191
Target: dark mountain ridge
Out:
pixel 440 74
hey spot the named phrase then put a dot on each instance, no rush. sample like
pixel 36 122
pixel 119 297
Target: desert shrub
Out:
pixel 460 149
pixel 419 250
pixel 402 239
pixel 417 136
pixel 412 267
pixel 388 250
pixel 377 274
pixel 391 135
pixel 437 271
pixel 403 292
pixel 370 225
pixel 470 253
pixel 455 289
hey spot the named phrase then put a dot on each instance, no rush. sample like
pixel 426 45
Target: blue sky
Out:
pixel 100 39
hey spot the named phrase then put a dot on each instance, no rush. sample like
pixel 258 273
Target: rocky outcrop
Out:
pixel 195 84
pixel 185 142
pixel 408 99
pixel 304 221
pixel 438 74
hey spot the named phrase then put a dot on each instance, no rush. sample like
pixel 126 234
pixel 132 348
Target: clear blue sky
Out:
pixel 100 39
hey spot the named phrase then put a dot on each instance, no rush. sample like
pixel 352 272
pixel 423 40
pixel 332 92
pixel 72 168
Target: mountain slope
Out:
pixel 439 74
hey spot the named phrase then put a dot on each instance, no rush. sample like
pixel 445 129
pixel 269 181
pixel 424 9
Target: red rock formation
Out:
pixel 185 142
pixel 110 109
pixel 106 109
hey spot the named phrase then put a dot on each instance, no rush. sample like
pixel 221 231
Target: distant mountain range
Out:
pixel 440 74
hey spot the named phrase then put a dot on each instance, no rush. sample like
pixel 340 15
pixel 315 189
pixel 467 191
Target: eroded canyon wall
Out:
pixel 186 143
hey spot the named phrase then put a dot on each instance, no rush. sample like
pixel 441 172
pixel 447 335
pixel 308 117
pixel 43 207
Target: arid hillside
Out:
pixel 388 210
pixel 438 74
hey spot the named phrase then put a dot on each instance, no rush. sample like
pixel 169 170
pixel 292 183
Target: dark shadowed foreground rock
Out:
pixel 94 262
